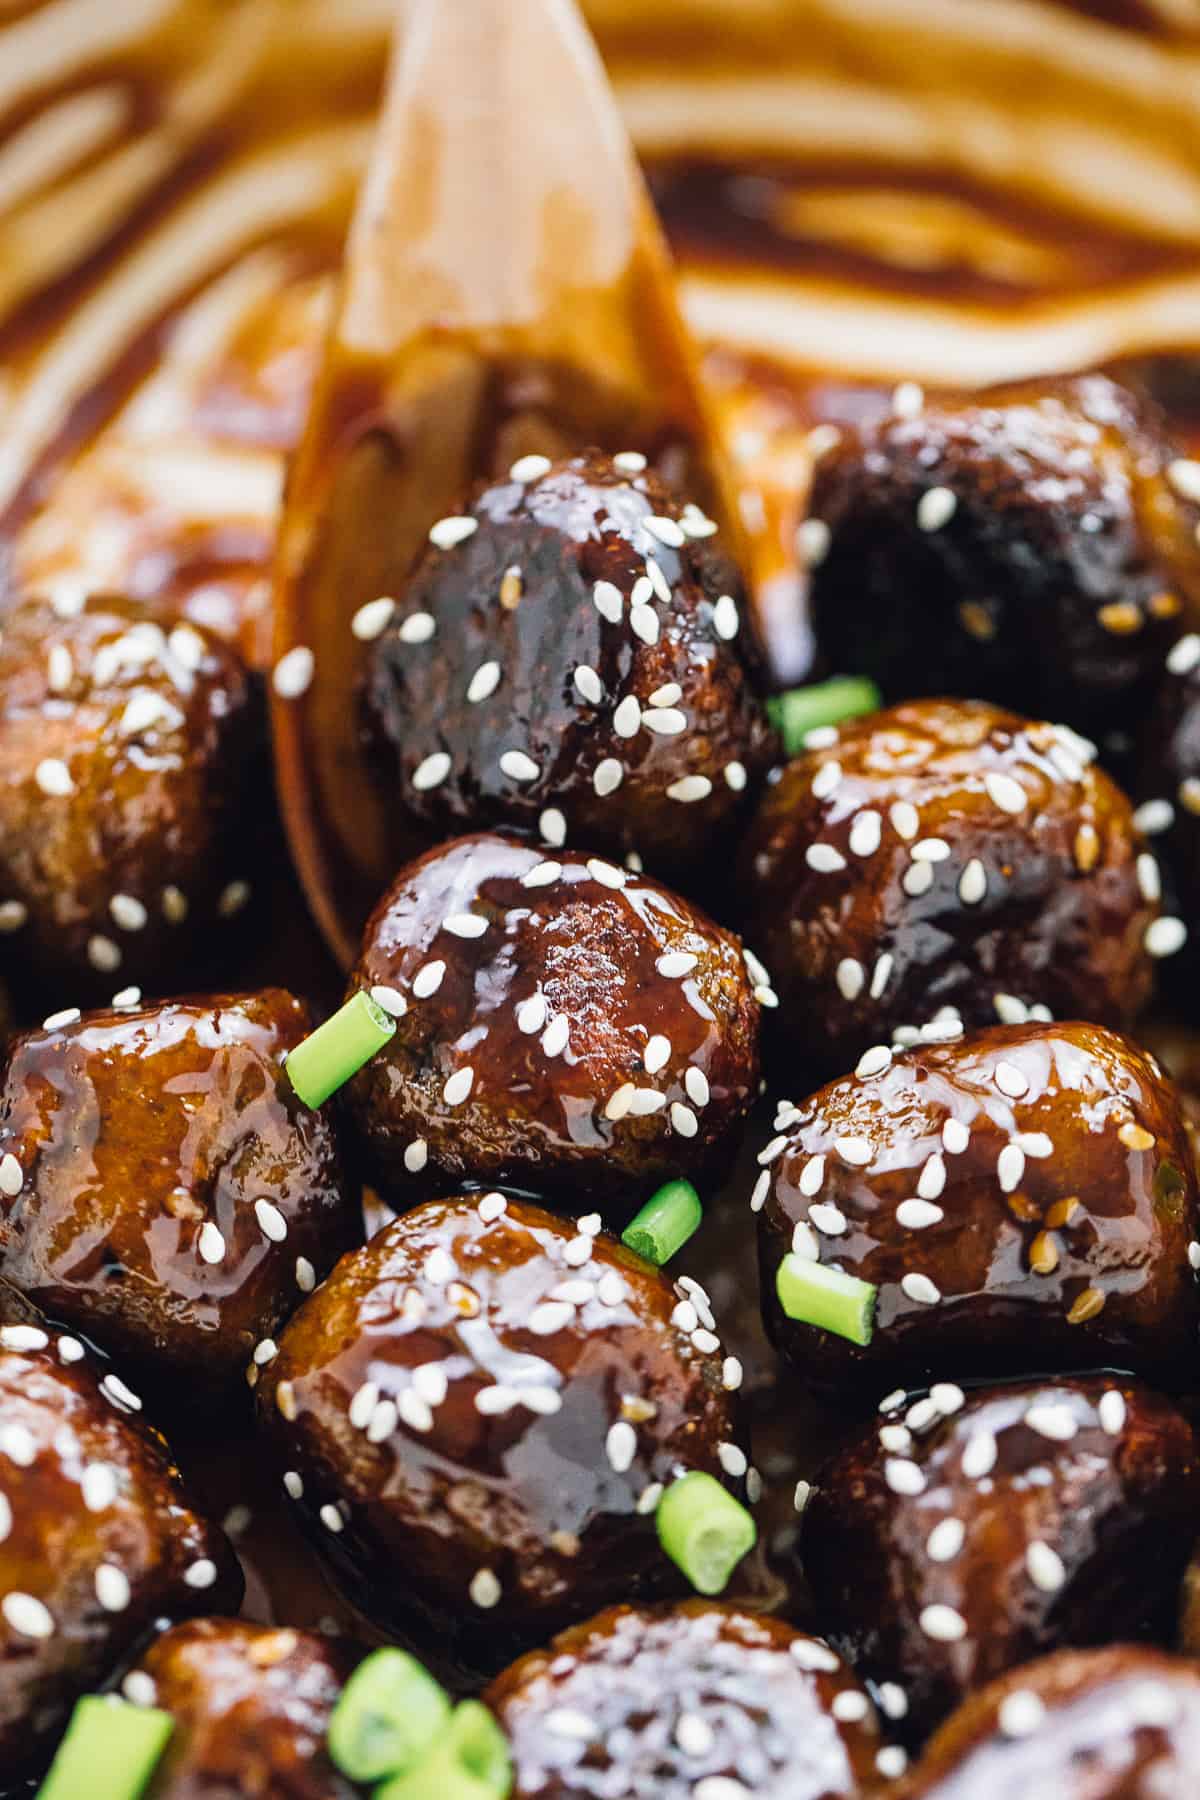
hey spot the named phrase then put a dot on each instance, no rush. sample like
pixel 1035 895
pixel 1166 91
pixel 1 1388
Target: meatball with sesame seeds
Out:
pixel 944 865
pixel 97 1537
pixel 1122 1723
pixel 1026 1197
pixel 162 1188
pixel 1026 546
pixel 575 656
pixel 479 1412
pixel 962 1535
pixel 743 1703
pixel 123 753
pixel 1168 776
pixel 251 1706
pixel 564 1026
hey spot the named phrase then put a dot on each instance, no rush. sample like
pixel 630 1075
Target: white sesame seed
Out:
pixel 873 1061
pixel 530 468
pixel 531 1014
pixel 54 778
pixel 1149 880
pixel 665 721
pixel 955 1137
pixel 265 1352
pixel 897 1439
pixel 27 1616
pixel 689 789
pixel 1056 1422
pixel 881 974
pixel 1020 1714
pixel 931 1181
pixel 70 1015
pixel 447 533
pixel 826 781
pixel 866 833
pixel 458 1086
pixel 1045 1567
pixel 465 925
pixel 918 1215
pixel 1112 1412
pixel 917 879
pixel 71 1350
pixel 972 883
pixel 657 1054
pixel 431 772
pixel 693 1734
pixel 813 541
pixel 920 1288
pixel 1005 792
pixel 644 1101
pixel 674 964
pixel 12 1176
pixel 908 400
pixel 759 1194
pixel 23 1337
pixel 418 628
pixel 805 1243
pixel 725 617
pixel 201 1574
pixel 858 1151
pixel 98 1485
pixel 416 1156
pixel 695 1083
pixel 1184 654
pixel 428 979
pixel 620 1445
pixel 1010 1167
pixel 1164 937
pixel 812 1175
pixel 362 1405
pixel 390 1001
pixel 849 1706
pixel 13 914
pixel 553 827
pixel 948 1397
pixel 893 1700
pixel 735 776
pixel 483 682
pixel 519 767
pixel 373 618
pixel 821 737
pixel 210 1243
pixel 588 684
pixel 945 1540
pixel 931 849
pixel 828 1219
pixel 850 976
pixel 556 1036
pixel 293 673
pixel 903 1476
pixel 609 601
pixel 936 507
pixel 606 873
pixel 643 621
pixel 1011 1080
pixel 271 1221
pixel 943 1624
pixel 824 859
pixel 1154 816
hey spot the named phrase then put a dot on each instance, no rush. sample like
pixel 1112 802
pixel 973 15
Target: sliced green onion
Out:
pixel 665 1223
pixel 336 1050
pixel 389 1712
pixel 109 1752
pixel 470 1761
pixel 704 1530
pixel 816 1294
pixel 804 709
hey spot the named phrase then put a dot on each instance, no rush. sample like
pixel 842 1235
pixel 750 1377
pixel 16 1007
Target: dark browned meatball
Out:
pixel 567 1027
pixel 478 1412
pixel 126 756
pixel 1026 1198
pixel 947 862
pixel 1168 776
pixel 1115 1724
pixel 162 1188
pixel 576 656
pixel 251 1705
pixel 960 1537
pixel 1024 545
pixel 653 1703
pixel 98 1538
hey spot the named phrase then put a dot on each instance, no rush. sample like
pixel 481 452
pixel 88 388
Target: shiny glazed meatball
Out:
pixel 478 1411
pixel 1115 1724
pixel 1025 1198
pixel 1168 777
pixel 574 656
pixel 252 1706
pixel 957 1538
pixel 947 861
pixel 97 1537
pixel 567 1026
pixel 1024 545
pixel 661 1699
pixel 124 757
pixel 161 1186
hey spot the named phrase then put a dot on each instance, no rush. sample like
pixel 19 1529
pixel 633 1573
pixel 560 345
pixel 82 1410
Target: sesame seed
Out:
pixel 372 619
pixel 232 898
pixel 390 1001
pixel 676 963
pixel 1020 1713
pixel 553 827
pixel 735 776
pixel 531 1014
pixel 881 974
pixel 306 1275
pixel 1149 880
pixel 12 1176
pixel 265 1352
pixel 665 721
pixel 416 1156
pixel 620 1446
pixel 643 621
pixel 332 1519
pixel 530 468
pixel 1050 1421
pixel 972 883
pixel 759 1193
pixel 731 1374
pixel 201 1574
pixel 53 777
pixel 896 1438
pixel 293 673
pixel 271 1221
pixel 849 1706
pixel 857 1151
pixel 492 1207
pixel 1045 1567
pixel 813 542
pixel 458 1086
pixel 936 507
pixel 945 1540
pixel 608 601
pixel 23 1337
pixel 13 914
pixel 903 1476
pixel 210 1243
pixel 893 1700
pixel 644 1101
pixel 725 617
pixel 27 1616
pixel 1010 1167
pixel 465 925
pixel 1164 937
pixel 519 767
pixel 428 979
pixel 606 873
pixel 71 1350
pixel 70 1015
pixel 695 1083
pixel 98 1485
pixel 865 833
pixel 824 859
pixel 1112 1412
pixel 947 1396
pixel 850 976
pixel 431 772
pixel 483 682
pixel 918 1215
pixel 1010 1080
pixel 908 400
pixel 828 1219
pixel 920 1288
pixel 418 628
pixel 917 879
pixel 943 1624
pixel 821 737
pixel 812 1175
pixel 1184 655
pixel 1154 816
pixel 556 1036
pixel 1006 793
pixel 689 789
pixel 447 533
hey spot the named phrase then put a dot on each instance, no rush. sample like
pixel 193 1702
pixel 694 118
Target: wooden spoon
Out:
pixel 506 290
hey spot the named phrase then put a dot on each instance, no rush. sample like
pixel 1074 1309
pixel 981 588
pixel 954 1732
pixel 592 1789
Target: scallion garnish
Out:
pixel 815 1293
pixel 804 709
pixel 336 1050
pixel 704 1530
pixel 665 1223
pixel 469 1761
pixel 109 1752
pixel 387 1715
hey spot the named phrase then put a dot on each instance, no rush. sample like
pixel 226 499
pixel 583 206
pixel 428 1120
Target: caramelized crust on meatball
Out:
pixel 478 1412
pixel 946 862
pixel 161 1186
pixel 565 1026
pixel 1026 1198
pixel 660 1700
pixel 97 1537
pixel 123 781
pixel 960 1536
pixel 1024 545
pixel 575 655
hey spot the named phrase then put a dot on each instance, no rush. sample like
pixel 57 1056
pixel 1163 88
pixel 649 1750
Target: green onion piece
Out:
pixel 470 1761
pixel 336 1050
pixel 816 1294
pixel 109 1752
pixel 704 1530
pixel 665 1223
pixel 389 1712
pixel 803 709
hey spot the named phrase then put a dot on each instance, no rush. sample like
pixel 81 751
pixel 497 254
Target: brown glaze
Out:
pixel 151 735
pixel 1116 1724
pixel 482 1520
pixel 582 1119
pixel 580 694
pixel 946 859
pixel 136 1135
pixel 1060 1236
pixel 1064 1517
pixel 1060 576
pixel 652 1701
pixel 251 1706
pixel 85 1486
pixel 1168 774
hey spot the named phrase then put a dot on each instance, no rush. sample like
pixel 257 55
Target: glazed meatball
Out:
pixel 1115 1724
pixel 251 1705
pixel 161 1186
pixel 566 1027
pixel 97 1537
pixel 649 1703
pixel 1025 546
pixel 1168 777
pixel 478 1412
pixel 947 862
pixel 1026 1198
pixel 123 777
pixel 960 1536
pixel 574 655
